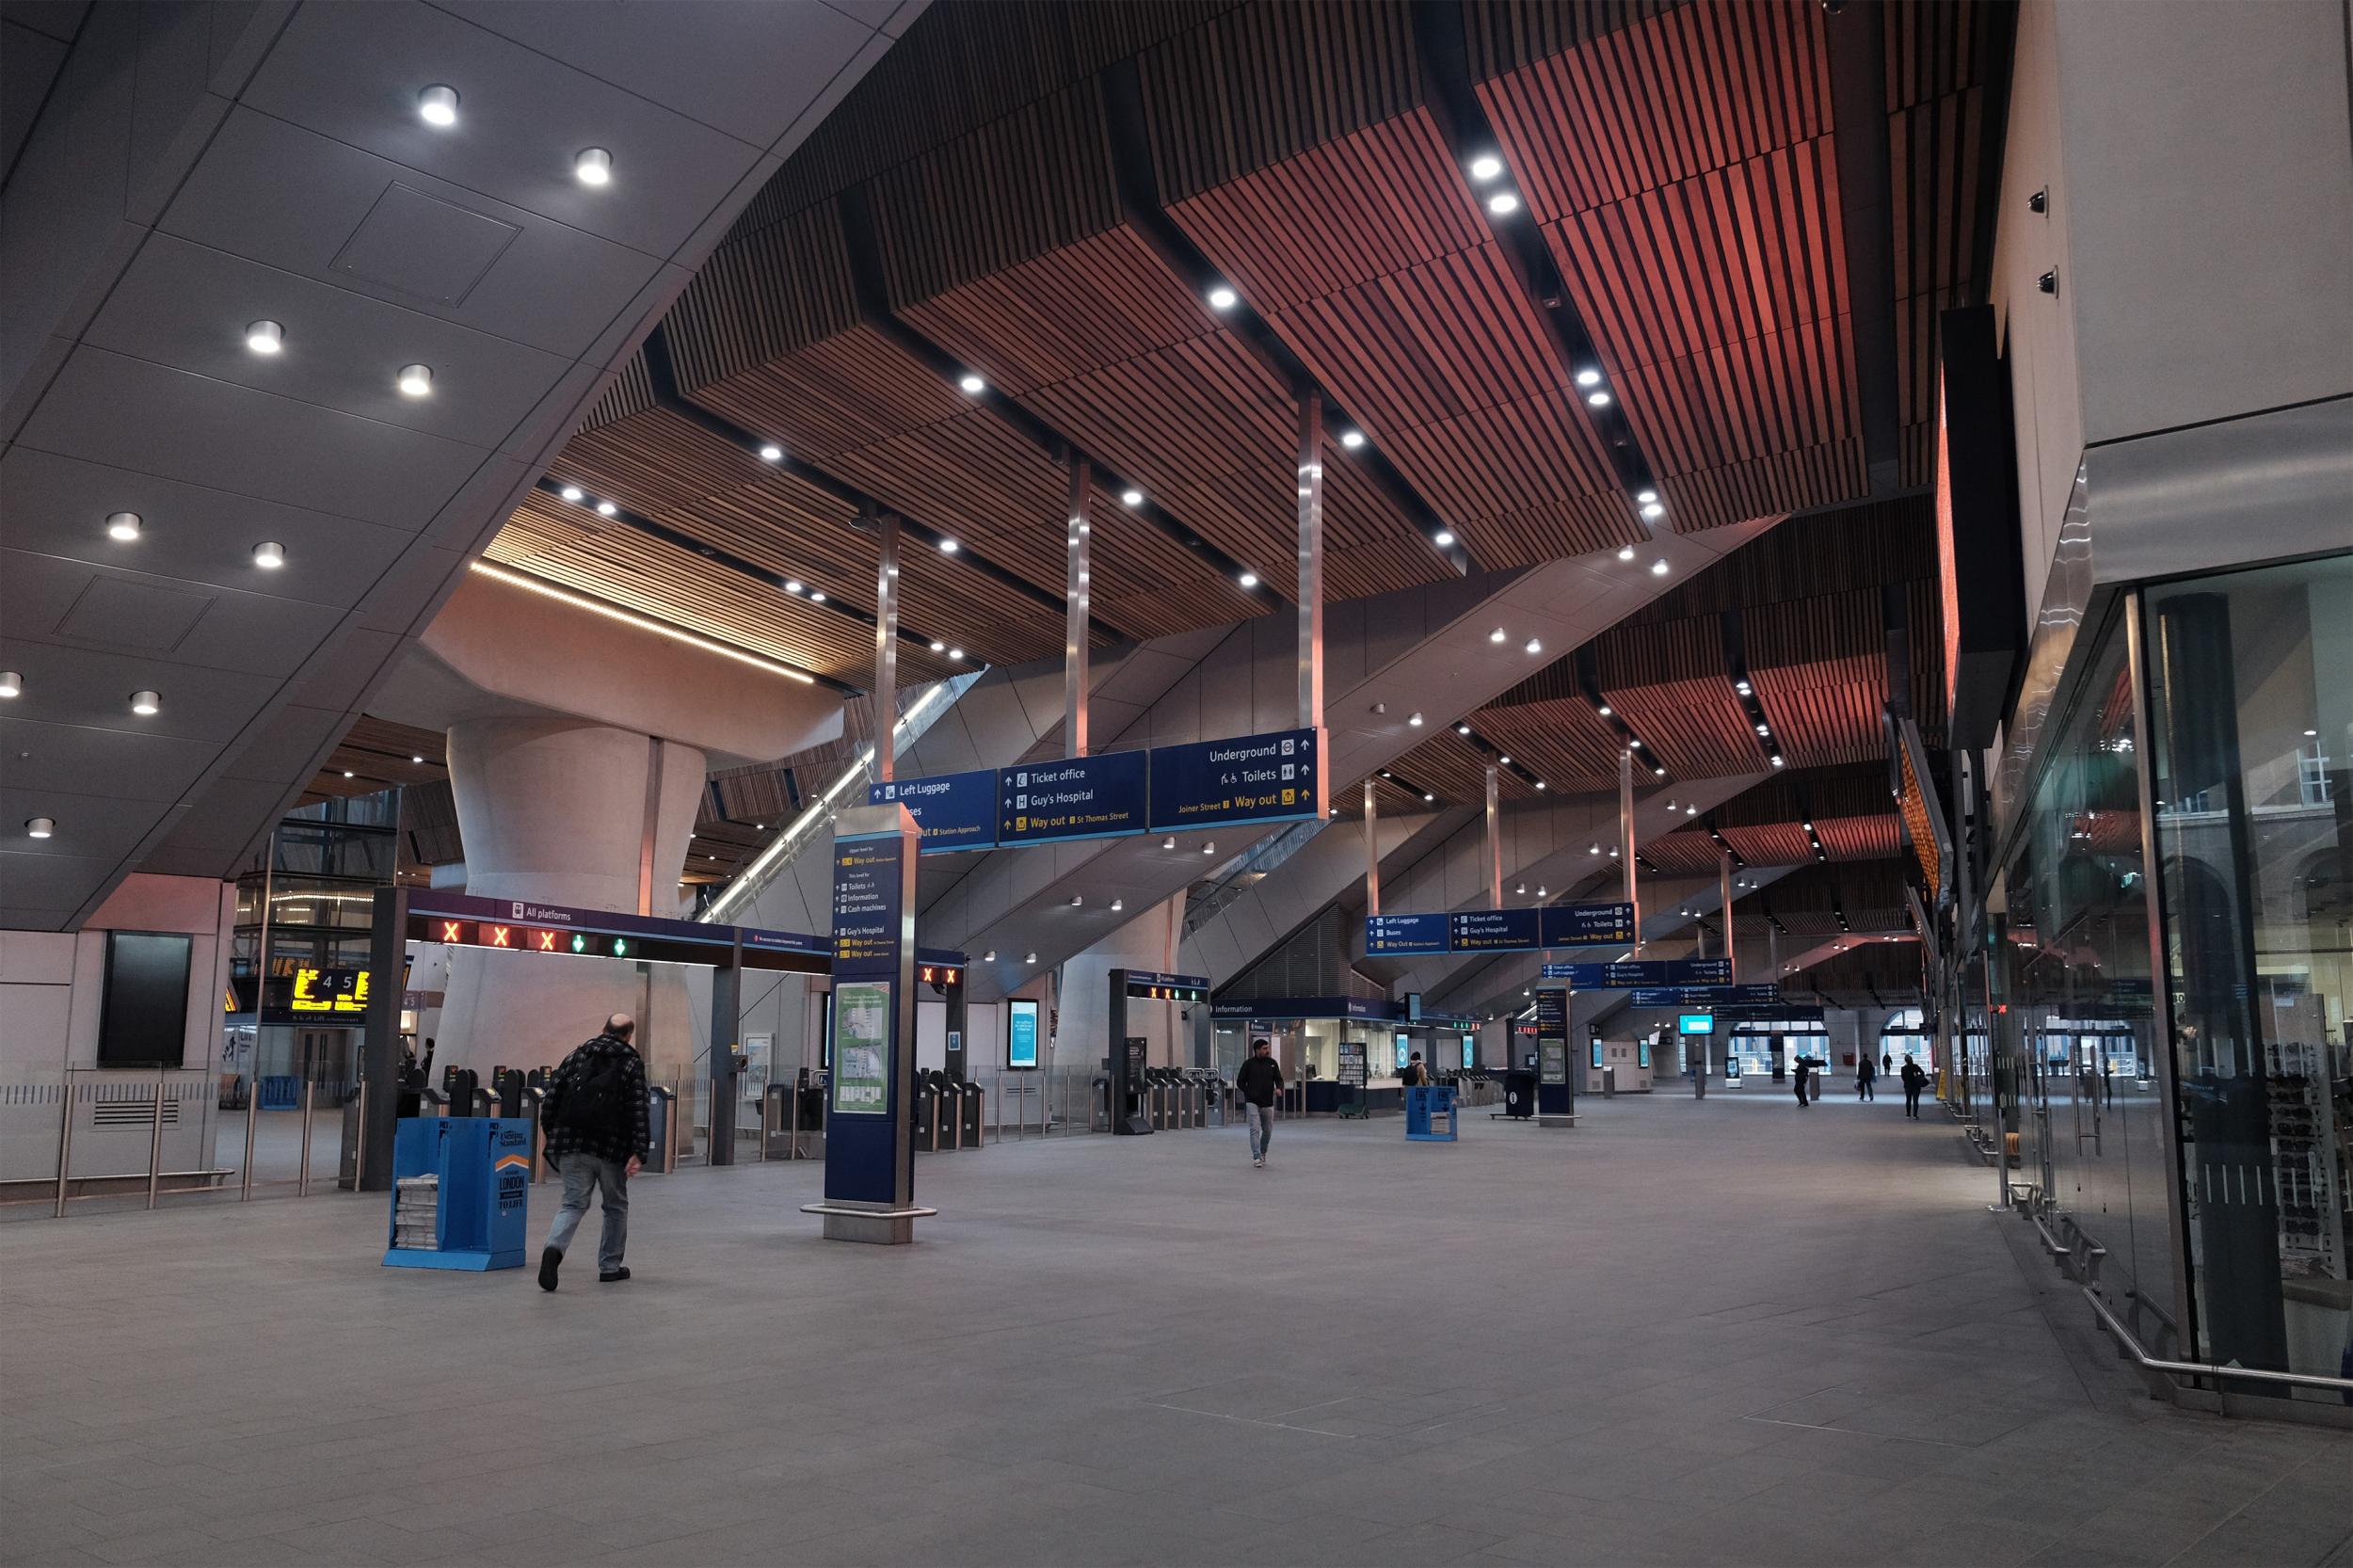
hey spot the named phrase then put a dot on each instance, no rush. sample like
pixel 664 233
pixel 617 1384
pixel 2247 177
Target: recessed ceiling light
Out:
pixel 1248 579
pixel 955 653
pixel 1539 783
pixel 1414 720
pixel 1485 167
pixel 1498 634
pixel 949 547
pixel 593 167
pixel 269 555
pixel 39 827
pixel 570 492
pixel 1503 203
pixel 11 683
pixel 1690 810
pixel 347 773
pixel 1129 497
pixel 1659 567
pixel 1352 439
pixel 772 452
pixel 1461 729
pixel 1592 849
pixel 416 758
pixel 974 384
pixel 1535 646
pixel 606 509
pixel 1589 377
pixel 122 525
pixel 265 337
pixel 1431 798
pixel 1777 759
pixel 1653 512
pixel 1646 497
pixel 793 584
pixel 817 596
pixel 1444 538
pixel 438 106
pixel 1597 398
pixel 1634 746
pixel 414 380
pixel 938 646
pixel 2310 734
pixel 1029 958
pixel 1659 772
pixel 1740 686
pixel 1078 900
pixel 1604 709
pixel 1762 731
pixel 1504 760
pixel 146 704
pixel 1222 298
pixel 1117 905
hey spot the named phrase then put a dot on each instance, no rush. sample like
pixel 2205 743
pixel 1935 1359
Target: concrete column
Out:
pixel 555 811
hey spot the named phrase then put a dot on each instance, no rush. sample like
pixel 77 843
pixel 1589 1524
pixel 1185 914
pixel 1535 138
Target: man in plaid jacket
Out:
pixel 598 1136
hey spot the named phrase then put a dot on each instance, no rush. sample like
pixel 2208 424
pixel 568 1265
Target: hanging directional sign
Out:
pixel 1491 930
pixel 1084 797
pixel 1577 926
pixel 955 811
pixel 1703 995
pixel 1252 778
pixel 1643 971
pixel 1395 935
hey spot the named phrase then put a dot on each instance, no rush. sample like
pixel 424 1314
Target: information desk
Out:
pixel 461 1186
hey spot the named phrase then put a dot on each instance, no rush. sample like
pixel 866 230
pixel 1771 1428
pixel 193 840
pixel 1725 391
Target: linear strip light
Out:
pixel 629 617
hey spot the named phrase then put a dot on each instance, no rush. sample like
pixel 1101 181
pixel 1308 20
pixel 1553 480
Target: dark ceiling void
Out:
pixel 1552 306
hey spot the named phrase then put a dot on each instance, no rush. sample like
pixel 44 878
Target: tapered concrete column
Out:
pixel 566 811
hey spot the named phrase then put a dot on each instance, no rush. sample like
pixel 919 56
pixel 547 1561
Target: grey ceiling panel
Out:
pixel 236 200
pixel 746 69
pixel 29 63
pixel 83 687
pixel 337 680
pixel 285 745
pixel 353 73
pixel 45 599
pixel 55 505
pixel 49 884
pixel 187 305
pixel 65 759
pixel 89 829
pixel 110 409
pixel 228 813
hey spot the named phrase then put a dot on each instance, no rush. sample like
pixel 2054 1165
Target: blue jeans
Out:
pixel 582 1175
pixel 1261 1119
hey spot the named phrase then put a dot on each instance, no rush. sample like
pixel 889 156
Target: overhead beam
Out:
pixel 1858 95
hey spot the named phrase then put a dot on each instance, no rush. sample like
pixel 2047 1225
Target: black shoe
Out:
pixel 613 1278
pixel 550 1260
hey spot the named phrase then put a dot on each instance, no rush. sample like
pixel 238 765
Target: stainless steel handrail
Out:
pixel 65 1147
pixel 2206 1369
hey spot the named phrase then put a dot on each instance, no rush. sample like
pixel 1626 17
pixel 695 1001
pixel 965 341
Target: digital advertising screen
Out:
pixel 1696 1023
pixel 1020 1032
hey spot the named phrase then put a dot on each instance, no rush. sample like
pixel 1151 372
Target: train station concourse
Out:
pixel 1663 872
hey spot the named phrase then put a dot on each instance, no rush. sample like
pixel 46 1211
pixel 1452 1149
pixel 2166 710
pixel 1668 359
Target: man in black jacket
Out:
pixel 1915 1081
pixel 1259 1082
pixel 597 1137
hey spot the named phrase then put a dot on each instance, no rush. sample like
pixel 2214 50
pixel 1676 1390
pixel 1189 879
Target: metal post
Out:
pixel 1723 899
pixel 1372 852
pixel 1074 620
pixel 887 647
pixel 65 1145
pixel 302 1180
pixel 1495 844
pixel 252 1111
pixel 1311 560
pixel 380 1042
pixel 360 1143
pixel 1625 838
pixel 726 1018
pixel 155 1138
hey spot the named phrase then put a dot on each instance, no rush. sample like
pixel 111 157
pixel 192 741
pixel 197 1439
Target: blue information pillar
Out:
pixel 870 1143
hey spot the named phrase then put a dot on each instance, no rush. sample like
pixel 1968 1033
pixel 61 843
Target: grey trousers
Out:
pixel 1262 1118
pixel 582 1175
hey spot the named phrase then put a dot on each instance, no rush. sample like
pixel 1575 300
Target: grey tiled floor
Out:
pixel 1684 1333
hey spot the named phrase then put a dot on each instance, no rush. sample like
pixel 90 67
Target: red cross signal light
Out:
pixel 500 936
pixel 543 941
pixel 452 931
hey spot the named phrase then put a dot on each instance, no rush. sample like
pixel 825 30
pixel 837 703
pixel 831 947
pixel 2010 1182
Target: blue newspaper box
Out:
pixel 461 1191
pixel 1426 1105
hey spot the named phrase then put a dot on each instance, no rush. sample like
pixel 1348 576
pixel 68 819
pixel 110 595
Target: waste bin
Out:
pixel 1519 1093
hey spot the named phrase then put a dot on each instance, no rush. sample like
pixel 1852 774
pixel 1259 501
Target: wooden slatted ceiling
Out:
pixel 1670 682
pixel 765 296
pixel 377 752
pixel 631 393
pixel 1781 843
pixel 1152 384
pixel 1686 852
pixel 1852 547
pixel 1392 800
pixel 1504 35
pixel 1563 739
pixel 1821 670
pixel 1456 772
pixel 1684 177
pixel 670 469
pixel 1861 838
pixel 849 390
pixel 547 538
pixel 1370 258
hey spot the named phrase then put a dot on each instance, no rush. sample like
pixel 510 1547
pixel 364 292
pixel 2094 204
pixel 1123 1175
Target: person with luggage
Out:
pixel 598 1136
pixel 1415 1076
pixel 1259 1082
pixel 1915 1081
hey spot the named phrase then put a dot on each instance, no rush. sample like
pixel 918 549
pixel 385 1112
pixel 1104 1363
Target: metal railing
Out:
pixel 2132 1348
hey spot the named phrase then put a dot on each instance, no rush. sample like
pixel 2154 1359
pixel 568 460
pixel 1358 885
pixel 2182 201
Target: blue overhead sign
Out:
pixel 954 811
pixel 1577 926
pixel 1491 930
pixel 1253 778
pixel 1393 934
pixel 1084 797
pixel 1643 971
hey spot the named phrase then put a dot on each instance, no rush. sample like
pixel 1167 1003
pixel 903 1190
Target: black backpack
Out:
pixel 595 1100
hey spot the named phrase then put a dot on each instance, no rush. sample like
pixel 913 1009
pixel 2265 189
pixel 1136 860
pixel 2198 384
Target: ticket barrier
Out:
pixel 662 1120
pixel 970 1100
pixel 928 1082
pixel 1156 1097
pixel 793 1118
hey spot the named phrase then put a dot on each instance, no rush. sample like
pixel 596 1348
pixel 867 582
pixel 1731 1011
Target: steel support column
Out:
pixel 1625 838
pixel 1372 851
pixel 1724 896
pixel 1495 843
pixel 1311 561
pixel 885 646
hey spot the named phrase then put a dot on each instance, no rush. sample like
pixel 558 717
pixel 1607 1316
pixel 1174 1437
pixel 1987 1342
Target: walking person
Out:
pixel 1801 1080
pixel 1915 1081
pixel 1259 1082
pixel 597 1137
pixel 1866 1073
pixel 1414 1075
